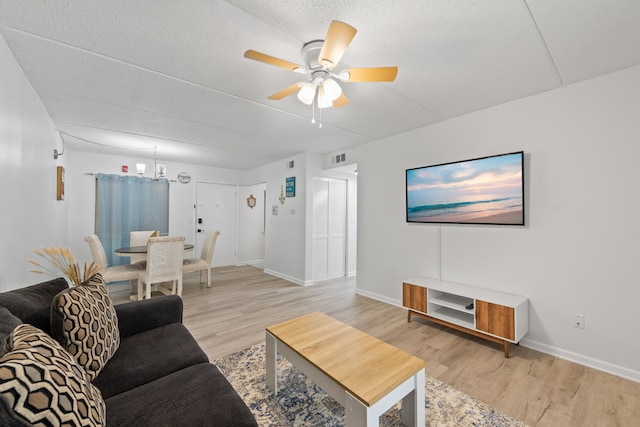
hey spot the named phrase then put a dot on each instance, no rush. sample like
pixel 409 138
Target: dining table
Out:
pixel 137 250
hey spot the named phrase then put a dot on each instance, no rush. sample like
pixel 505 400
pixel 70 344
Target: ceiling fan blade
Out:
pixel 286 92
pixel 335 43
pixel 271 60
pixel 376 74
pixel 341 101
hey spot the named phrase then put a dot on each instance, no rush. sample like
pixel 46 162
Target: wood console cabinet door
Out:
pixel 495 319
pixel 414 297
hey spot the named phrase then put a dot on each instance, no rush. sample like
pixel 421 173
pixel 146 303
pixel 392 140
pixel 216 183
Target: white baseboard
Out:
pixel 259 263
pixel 287 278
pixel 378 297
pixel 580 359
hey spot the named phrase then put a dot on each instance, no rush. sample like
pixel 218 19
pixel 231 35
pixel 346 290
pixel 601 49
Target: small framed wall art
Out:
pixel 291 186
pixel 251 201
pixel 60 183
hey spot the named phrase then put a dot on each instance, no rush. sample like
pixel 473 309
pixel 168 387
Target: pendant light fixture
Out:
pixel 159 171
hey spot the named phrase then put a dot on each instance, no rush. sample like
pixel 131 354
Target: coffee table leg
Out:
pixel 357 414
pixel 413 403
pixel 271 349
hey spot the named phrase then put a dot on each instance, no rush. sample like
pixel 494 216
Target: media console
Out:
pixel 499 317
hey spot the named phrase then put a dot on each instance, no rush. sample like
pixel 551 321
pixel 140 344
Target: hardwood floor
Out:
pixel 536 388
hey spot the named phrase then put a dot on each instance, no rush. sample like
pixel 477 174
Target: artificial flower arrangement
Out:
pixel 63 261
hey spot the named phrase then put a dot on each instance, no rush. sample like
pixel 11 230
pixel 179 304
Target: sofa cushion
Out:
pixel 147 356
pixel 32 304
pixel 40 383
pixel 195 396
pixel 84 321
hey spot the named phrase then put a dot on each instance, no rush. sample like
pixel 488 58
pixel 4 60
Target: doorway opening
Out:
pixel 334 229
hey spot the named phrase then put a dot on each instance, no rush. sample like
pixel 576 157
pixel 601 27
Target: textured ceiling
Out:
pixel 129 75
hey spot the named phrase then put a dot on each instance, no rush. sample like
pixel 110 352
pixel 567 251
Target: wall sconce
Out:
pixel 141 167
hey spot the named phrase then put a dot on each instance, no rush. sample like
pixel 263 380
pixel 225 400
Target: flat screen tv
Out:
pixel 488 190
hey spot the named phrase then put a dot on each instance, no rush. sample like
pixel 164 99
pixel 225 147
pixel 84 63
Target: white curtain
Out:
pixel 129 203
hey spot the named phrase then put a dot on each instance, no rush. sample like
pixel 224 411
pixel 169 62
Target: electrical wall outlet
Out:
pixel 577 321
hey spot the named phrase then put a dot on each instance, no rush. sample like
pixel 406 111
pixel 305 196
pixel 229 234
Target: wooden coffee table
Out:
pixel 366 375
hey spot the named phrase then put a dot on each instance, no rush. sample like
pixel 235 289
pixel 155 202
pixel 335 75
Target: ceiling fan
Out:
pixel 320 58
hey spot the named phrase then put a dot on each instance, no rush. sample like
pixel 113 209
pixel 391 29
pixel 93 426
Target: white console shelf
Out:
pixel 497 316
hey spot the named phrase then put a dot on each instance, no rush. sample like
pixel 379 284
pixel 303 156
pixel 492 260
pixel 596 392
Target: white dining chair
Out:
pixel 164 264
pixel 140 238
pixel 115 273
pixel 204 262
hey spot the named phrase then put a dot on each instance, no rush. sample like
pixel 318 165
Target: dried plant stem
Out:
pixel 64 262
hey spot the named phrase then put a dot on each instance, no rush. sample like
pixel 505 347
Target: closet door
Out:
pixel 329 228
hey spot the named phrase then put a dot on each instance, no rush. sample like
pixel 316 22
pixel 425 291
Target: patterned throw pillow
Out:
pixel 42 384
pixel 84 321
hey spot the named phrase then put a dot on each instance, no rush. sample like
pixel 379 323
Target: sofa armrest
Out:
pixel 140 316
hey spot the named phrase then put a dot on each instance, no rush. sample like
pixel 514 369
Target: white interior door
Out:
pixel 337 229
pixel 329 228
pixel 216 209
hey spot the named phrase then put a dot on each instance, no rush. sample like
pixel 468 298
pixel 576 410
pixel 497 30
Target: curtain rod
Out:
pixel 95 174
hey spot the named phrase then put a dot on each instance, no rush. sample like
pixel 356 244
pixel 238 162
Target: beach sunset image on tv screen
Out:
pixel 489 190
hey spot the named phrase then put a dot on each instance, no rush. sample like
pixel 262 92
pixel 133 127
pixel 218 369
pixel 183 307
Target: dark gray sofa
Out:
pixel 159 376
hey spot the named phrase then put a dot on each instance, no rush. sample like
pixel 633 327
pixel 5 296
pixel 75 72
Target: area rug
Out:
pixel 301 403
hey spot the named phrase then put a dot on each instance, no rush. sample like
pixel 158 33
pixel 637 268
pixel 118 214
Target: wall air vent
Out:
pixel 290 164
pixel 339 158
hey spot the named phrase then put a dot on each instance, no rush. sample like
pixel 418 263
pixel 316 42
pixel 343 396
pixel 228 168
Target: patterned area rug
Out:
pixel 302 403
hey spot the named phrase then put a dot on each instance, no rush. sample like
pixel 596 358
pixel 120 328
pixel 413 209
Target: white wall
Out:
pixel 579 250
pixel 285 232
pixel 284 247
pixel 81 193
pixel 30 217
pixel 287 248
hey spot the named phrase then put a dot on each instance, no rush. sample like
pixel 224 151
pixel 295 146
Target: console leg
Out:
pixel 506 349
pixel 408 315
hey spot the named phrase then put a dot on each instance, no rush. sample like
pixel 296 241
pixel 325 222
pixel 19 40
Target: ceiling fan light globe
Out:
pixel 306 93
pixel 331 89
pixel 323 100
pixel 344 76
